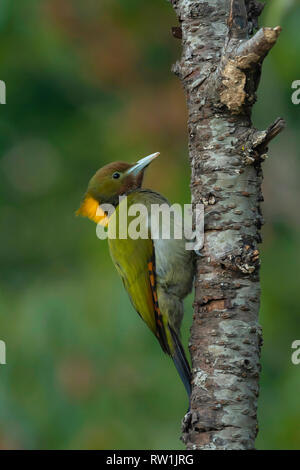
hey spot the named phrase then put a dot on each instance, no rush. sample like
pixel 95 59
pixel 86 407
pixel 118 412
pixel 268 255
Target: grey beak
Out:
pixel 141 164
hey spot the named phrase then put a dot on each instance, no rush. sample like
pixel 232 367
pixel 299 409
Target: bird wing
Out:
pixel 135 262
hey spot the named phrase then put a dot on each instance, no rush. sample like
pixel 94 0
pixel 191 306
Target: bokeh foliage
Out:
pixel 88 83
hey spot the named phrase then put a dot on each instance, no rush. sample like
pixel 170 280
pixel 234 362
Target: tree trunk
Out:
pixel 220 71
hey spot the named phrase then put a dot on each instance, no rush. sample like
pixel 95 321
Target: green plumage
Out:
pixel 172 268
pixel 157 273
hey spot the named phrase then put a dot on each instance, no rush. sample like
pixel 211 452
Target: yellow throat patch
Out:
pixel 91 208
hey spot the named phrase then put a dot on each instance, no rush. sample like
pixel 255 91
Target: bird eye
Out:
pixel 116 175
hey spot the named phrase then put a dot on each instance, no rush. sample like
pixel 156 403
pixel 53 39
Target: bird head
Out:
pixel 110 182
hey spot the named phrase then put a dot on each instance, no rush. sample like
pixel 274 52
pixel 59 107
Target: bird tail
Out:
pixel 181 362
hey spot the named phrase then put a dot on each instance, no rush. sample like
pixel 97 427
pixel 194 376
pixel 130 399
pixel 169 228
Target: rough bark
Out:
pixel 220 71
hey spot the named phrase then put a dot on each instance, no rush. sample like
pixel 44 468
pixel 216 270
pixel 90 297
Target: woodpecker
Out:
pixel 157 273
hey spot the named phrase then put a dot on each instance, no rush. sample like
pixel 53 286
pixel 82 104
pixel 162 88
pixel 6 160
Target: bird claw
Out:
pixel 186 422
pixel 198 253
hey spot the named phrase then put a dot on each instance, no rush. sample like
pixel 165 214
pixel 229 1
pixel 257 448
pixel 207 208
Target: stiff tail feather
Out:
pixel 181 362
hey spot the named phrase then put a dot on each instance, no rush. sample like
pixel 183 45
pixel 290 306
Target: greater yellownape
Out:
pixel 157 273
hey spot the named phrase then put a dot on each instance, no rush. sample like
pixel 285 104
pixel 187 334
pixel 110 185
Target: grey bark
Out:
pixel 220 71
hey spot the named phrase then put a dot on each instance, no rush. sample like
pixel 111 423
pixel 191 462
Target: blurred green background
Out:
pixel 88 83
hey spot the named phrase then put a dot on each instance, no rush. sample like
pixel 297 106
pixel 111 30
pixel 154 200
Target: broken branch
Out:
pixel 256 48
